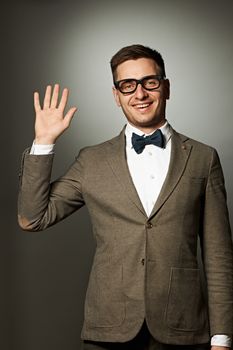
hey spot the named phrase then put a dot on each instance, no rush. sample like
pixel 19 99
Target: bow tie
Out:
pixel 139 142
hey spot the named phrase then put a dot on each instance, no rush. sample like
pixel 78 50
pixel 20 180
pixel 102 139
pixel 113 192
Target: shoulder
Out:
pixel 100 150
pixel 203 158
pixel 195 144
pixel 200 152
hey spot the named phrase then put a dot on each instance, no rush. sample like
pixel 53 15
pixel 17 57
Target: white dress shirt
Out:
pixel 149 168
pixel 148 171
pixel 42 149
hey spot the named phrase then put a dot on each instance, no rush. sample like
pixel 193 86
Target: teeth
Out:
pixel 144 105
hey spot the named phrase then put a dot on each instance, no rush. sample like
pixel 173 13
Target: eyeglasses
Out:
pixel 128 86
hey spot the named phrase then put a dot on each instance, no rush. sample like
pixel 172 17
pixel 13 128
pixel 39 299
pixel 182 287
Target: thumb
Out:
pixel 69 115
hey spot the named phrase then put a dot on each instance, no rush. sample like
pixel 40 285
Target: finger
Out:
pixel 64 99
pixel 69 115
pixel 55 96
pixel 37 102
pixel 47 97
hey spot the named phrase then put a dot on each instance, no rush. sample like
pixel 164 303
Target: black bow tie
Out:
pixel 139 142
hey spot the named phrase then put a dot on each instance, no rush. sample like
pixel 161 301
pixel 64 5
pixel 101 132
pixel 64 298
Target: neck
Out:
pixel 150 128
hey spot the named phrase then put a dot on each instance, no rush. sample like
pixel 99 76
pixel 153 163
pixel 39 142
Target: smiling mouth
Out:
pixel 142 106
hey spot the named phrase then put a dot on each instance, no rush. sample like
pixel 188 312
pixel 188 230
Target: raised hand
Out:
pixel 50 120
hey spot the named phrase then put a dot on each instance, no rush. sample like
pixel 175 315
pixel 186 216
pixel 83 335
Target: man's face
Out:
pixel 144 109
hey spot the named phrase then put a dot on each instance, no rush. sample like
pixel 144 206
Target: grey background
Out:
pixel 44 275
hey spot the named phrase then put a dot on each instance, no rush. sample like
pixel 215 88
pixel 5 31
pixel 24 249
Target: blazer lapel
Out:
pixel 180 152
pixel 116 157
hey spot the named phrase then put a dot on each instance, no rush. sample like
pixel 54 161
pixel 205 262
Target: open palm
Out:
pixel 50 120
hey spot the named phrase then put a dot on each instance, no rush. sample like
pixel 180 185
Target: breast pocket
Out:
pixel 186 309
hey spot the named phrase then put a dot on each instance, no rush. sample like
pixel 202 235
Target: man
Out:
pixel 151 192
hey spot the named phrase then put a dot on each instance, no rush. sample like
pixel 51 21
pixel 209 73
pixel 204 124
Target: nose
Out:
pixel 140 92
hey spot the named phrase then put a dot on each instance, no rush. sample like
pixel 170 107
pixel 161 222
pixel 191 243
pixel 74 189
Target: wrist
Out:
pixel 44 141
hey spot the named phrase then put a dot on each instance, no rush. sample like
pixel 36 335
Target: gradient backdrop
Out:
pixel 44 275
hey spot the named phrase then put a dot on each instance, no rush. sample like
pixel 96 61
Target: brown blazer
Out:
pixel 144 267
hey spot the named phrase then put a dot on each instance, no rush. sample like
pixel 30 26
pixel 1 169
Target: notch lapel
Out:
pixel 116 157
pixel 180 152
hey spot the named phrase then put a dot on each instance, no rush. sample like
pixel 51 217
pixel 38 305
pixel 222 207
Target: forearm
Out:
pixel 34 187
pixel 41 203
pixel 217 252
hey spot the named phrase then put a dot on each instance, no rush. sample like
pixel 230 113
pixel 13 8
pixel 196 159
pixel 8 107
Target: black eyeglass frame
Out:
pixel 138 81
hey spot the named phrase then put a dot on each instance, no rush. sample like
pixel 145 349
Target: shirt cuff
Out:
pixel 221 340
pixel 42 149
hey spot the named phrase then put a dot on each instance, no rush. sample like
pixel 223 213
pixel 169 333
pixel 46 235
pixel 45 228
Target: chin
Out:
pixel 149 122
pixel 152 124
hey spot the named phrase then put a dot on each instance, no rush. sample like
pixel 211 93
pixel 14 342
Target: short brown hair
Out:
pixel 133 52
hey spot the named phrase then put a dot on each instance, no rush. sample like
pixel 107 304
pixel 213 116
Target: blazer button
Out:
pixel 149 225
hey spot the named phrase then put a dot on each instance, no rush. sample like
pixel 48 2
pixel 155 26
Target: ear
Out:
pixel 167 89
pixel 116 96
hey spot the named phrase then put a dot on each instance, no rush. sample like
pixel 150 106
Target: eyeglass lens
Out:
pixel 130 85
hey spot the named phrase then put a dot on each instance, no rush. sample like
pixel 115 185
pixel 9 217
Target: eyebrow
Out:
pixel 146 76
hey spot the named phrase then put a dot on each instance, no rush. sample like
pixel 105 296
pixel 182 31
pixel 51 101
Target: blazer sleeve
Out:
pixel 217 251
pixel 41 203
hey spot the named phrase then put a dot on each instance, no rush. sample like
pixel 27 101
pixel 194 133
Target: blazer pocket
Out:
pixel 104 304
pixel 186 309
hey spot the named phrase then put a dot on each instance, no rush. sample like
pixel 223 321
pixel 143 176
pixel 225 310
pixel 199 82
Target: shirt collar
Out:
pixel 165 129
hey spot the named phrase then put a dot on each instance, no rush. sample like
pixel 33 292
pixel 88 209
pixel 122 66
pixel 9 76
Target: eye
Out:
pixel 127 85
pixel 151 83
